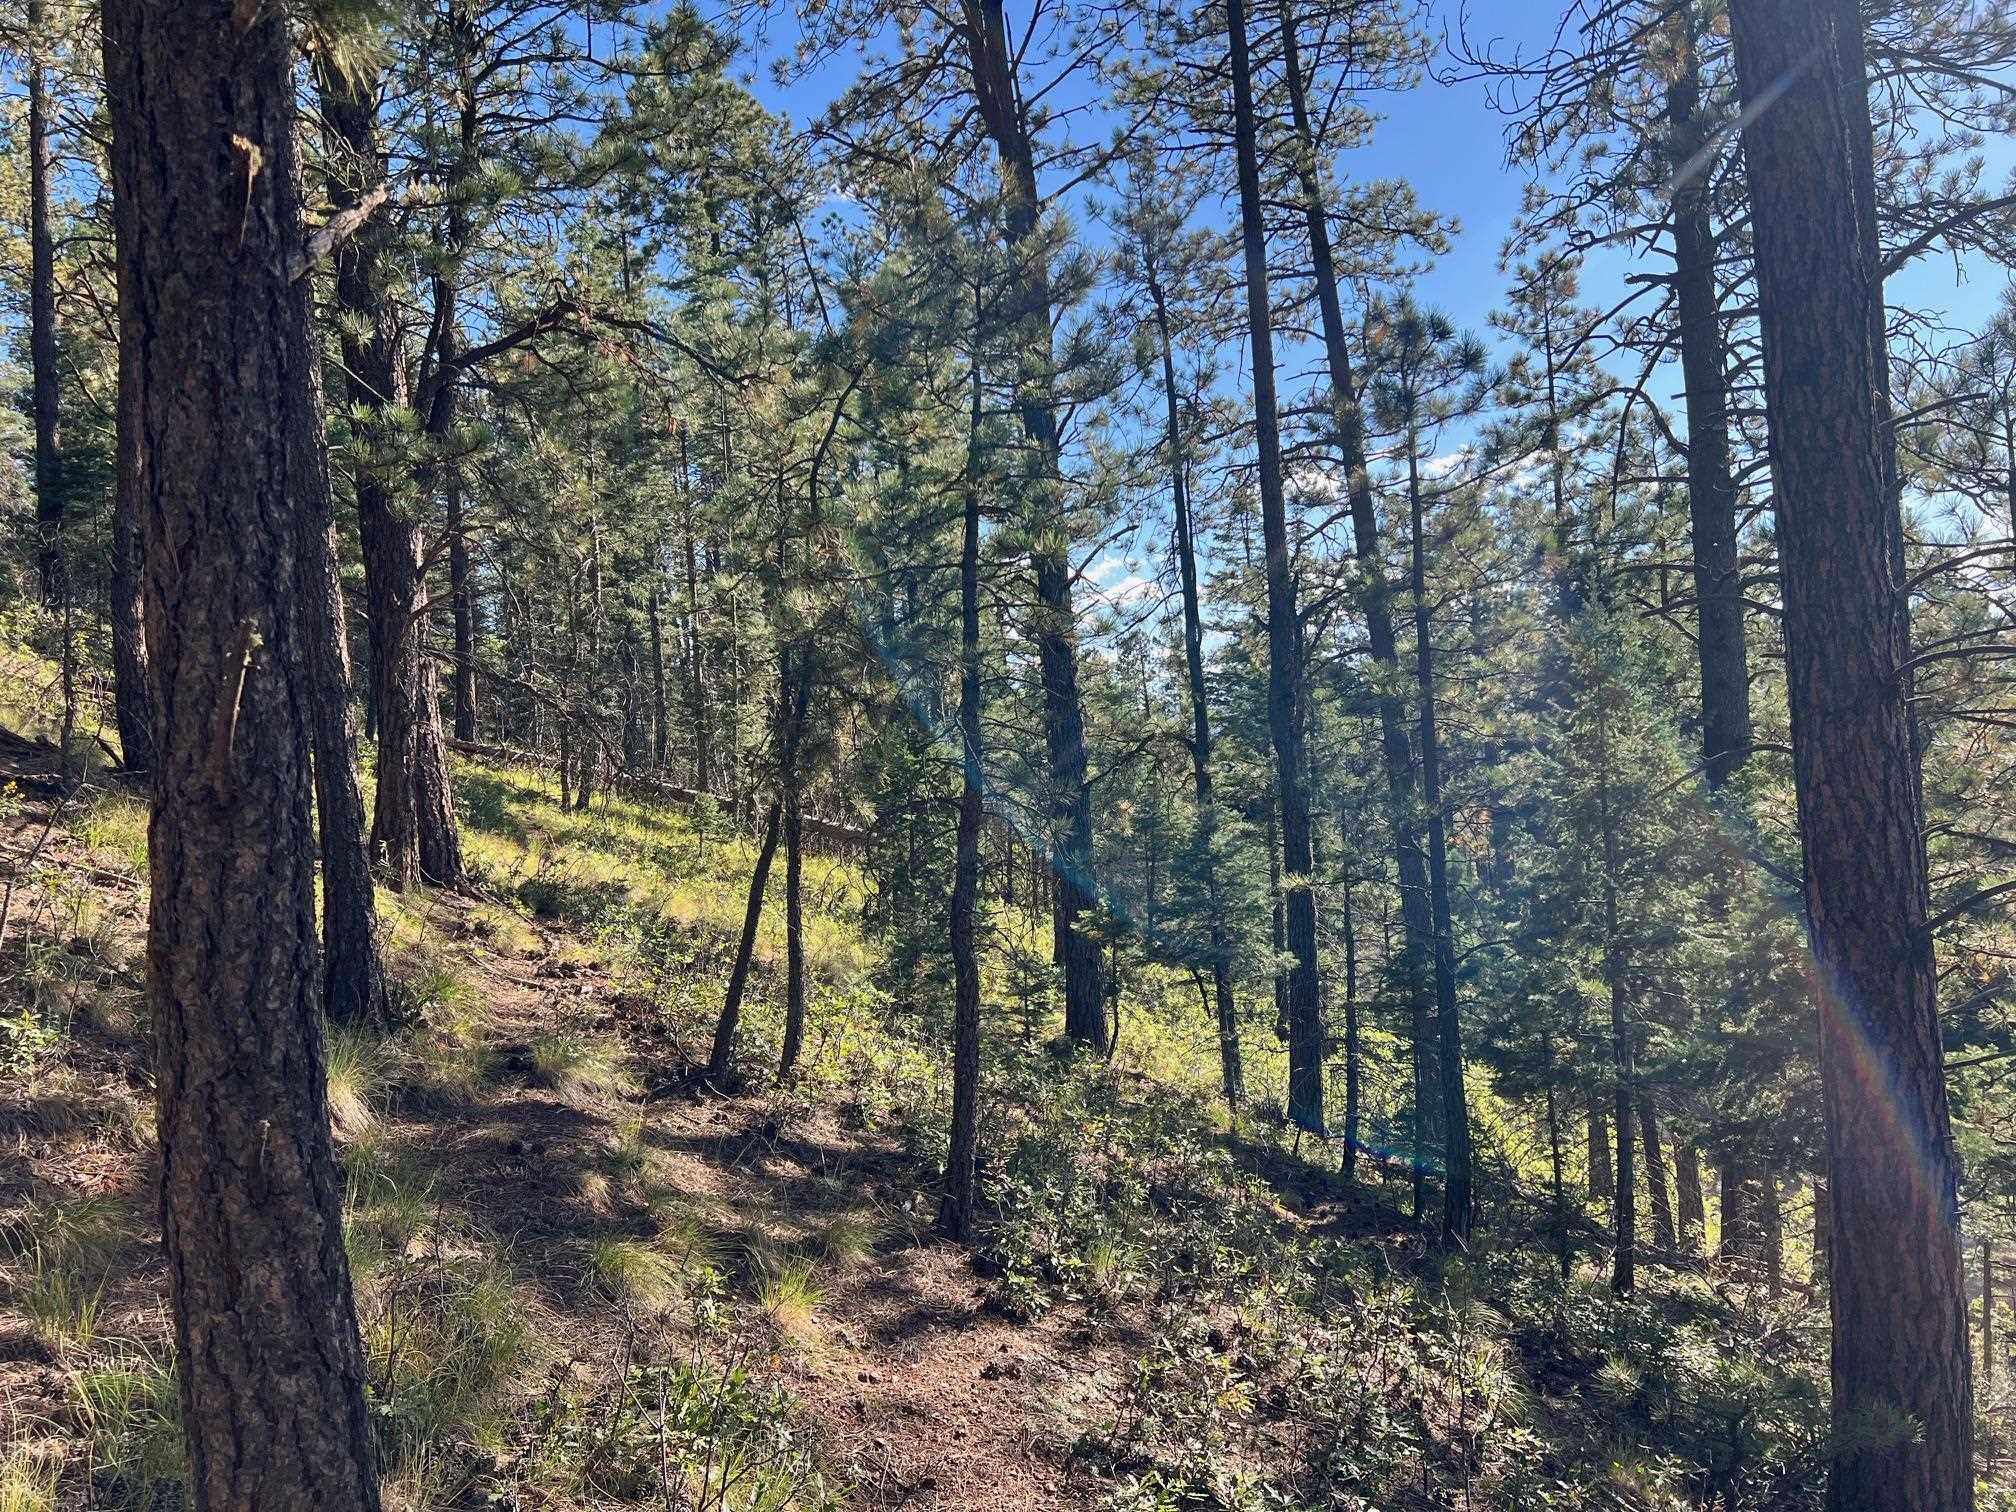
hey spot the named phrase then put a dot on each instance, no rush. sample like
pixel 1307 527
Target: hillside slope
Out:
pixel 585 1281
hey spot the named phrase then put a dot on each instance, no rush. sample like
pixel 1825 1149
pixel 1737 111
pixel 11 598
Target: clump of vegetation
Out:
pixel 355 1062
pixel 635 1273
pixel 714 1437
pixel 60 1256
pixel 129 1408
pixel 578 1064
pixel 28 1478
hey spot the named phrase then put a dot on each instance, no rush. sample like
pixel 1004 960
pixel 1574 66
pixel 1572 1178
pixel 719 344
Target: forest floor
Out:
pixel 585 1281
pixel 917 1392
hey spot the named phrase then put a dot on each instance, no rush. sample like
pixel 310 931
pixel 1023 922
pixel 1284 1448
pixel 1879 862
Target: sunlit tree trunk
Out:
pixel 1286 714
pixel 1900 1335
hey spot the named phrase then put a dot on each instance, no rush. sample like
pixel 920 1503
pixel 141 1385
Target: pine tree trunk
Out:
pixel 1823 1224
pixel 1711 488
pixel 204 163
pixel 1602 1181
pixel 1773 1227
pixel 1457 1201
pixel 1354 1071
pixel 794 692
pixel 1054 629
pixel 661 723
pixel 1374 591
pixel 1693 1204
pixel 794 928
pixel 355 989
pixel 1286 713
pixel 45 393
pixel 133 704
pixel 1557 1166
pixel 721 1060
pixel 413 832
pixel 462 605
pixel 955 1211
pixel 696 685
pixel 1738 1240
pixel 1656 1185
pixel 1230 1060
pixel 1900 1335
pixel 1987 1311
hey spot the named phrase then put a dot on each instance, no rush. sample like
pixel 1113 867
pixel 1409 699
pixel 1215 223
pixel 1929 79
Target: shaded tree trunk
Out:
pixel 794 930
pixel 1055 624
pixel 1988 1320
pixel 1230 1059
pixel 1664 1233
pixel 721 1060
pixel 355 990
pixel 1900 1335
pixel 413 833
pixel 133 704
pixel 1354 1070
pixel 1286 714
pixel 45 392
pixel 1738 1246
pixel 1557 1170
pixel 462 607
pixel 955 1211
pixel 696 685
pixel 661 724
pixel 1693 1213
pixel 1457 1202
pixel 204 160
pixel 1711 486
pixel 1602 1181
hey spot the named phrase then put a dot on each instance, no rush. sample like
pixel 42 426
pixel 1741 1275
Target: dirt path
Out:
pixel 919 1394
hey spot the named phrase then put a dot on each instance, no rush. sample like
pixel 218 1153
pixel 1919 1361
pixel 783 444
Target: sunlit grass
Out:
pixel 28 1479
pixel 114 826
pixel 580 1065
pixel 356 1063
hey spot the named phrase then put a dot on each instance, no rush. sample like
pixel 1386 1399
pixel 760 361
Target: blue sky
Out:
pixel 1449 143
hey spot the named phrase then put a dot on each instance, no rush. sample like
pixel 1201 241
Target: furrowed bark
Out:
pixel 204 161
pixel 1900 1335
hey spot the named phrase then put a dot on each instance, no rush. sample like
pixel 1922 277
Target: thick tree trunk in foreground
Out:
pixel 1899 1304
pixel 1286 715
pixel 272 1370
pixel 45 393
